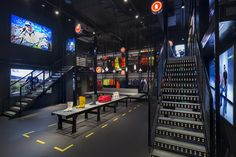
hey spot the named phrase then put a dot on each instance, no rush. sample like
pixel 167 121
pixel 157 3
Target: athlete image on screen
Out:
pixel 224 84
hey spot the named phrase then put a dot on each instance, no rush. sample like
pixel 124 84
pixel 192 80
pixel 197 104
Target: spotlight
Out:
pixel 125 1
pixel 69 20
pixel 43 5
pixel 137 16
pixel 57 12
pixel 183 7
pixel 94 33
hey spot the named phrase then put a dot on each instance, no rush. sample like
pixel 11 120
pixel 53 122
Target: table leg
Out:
pixel 104 108
pixel 98 114
pixel 86 115
pixel 115 105
pixel 59 124
pixel 74 124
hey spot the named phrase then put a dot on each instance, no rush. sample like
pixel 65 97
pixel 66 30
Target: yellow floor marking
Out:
pixel 40 142
pixel 27 134
pixel 123 114
pixel 130 110
pixel 115 119
pixel 63 150
pixel 104 126
pixel 52 124
pixel 90 134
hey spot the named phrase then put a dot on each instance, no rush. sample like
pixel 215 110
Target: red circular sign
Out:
pixel 156 7
pixel 78 28
pixel 99 70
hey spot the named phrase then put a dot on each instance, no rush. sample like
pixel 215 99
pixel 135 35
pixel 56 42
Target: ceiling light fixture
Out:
pixel 136 16
pixel 43 5
pixel 125 1
pixel 183 7
pixel 69 20
pixel 57 12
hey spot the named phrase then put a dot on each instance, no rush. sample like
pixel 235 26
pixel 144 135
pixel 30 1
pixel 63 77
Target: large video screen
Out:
pixel 70 45
pixel 27 33
pixel 21 76
pixel 227 84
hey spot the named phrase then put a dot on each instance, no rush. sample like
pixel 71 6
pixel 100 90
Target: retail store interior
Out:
pixel 117 78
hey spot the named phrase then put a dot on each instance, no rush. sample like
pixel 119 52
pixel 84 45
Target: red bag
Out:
pixel 104 98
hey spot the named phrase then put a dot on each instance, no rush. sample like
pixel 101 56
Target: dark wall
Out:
pixel 17 56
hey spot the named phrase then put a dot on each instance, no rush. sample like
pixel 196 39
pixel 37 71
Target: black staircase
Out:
pixel 180 129
pixel 33 88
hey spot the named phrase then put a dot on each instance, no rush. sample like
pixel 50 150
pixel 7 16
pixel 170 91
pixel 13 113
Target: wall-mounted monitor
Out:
pixel 70 45
pixel 227 85
pixel 212 73
pixel 28 33
pixel 18 77
pixel 180 50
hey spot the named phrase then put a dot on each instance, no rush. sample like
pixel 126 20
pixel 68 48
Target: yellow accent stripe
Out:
pixel 40 142
pixel 115 119
pixel 104 126
pixel 89 135
pixel 52 124
pixel 27 134
pixel 65 149
pixel 123 114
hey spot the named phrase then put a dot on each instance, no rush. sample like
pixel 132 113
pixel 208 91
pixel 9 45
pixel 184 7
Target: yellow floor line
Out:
pixel 124 114
pixel 65 149
pixel 104 126
pixel 40 142
pixel 87 136
pixel 52 124
pixel 27 134
pixel 115 119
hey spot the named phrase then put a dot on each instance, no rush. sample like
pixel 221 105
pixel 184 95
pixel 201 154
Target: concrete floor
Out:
pixel 123 134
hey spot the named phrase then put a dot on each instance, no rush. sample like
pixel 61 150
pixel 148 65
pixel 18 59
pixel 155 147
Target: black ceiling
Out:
pixel 114 20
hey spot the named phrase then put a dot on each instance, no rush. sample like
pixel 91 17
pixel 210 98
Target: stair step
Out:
pixel 174 65
pixel 9 113
pixel 185 98
pixel 181 147
pixel 177 74
pixel 27 99
pixel 22 103
pixel 179 91
pixel 174 105
pixel 177 80
pixel 162 153
pixel 180 133
pixel 181 69
pixel 181 113
pixel 196 125
pixel 179 85
pixel 15 108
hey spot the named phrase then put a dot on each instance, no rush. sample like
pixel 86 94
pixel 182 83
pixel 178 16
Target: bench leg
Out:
pixel 59 124
pixel 74 124
pixel 99 114
pixel 86 115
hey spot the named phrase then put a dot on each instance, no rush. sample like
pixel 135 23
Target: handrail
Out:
pixel 22 78
pixel 34 77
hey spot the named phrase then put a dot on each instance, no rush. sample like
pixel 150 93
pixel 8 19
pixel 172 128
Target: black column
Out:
pixel 95 86
pixel 217 81
pixel 165 17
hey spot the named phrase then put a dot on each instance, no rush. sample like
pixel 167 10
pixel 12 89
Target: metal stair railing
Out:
pixel 154 101
pixel 205 96
pixel 24 88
